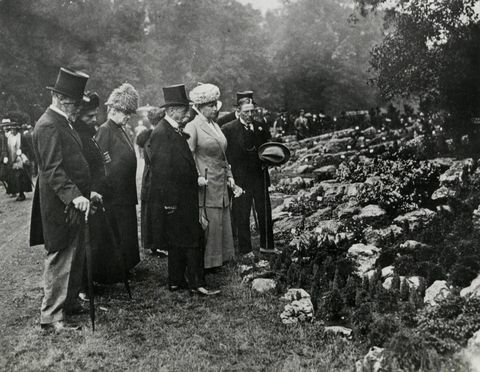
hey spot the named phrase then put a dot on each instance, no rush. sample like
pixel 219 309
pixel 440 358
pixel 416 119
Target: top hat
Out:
pixel 273 153
pixel 70 83
pixel 245 94
pixel 175 95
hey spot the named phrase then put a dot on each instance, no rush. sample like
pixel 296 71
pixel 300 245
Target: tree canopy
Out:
pixel 306 54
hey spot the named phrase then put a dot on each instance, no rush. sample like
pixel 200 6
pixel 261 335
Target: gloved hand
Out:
pixel 202 181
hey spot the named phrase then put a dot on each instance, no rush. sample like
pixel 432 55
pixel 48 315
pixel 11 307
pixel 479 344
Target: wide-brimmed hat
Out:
pixel 70 83
pixel 274 153
pixel 124 98
pixel 204 93
pixel 175 95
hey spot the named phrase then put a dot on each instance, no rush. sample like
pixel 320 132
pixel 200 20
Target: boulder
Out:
pixel 346 210
pixel 294 294
pixel 416 219
pixel 339 331
pixel 277 199
pixel 326 172
pixel 471 354
pixel 413 245
pixel 387 271
pixel 319 215
pixel 304 169
pixel 381 236
pixel 445 193
pixel 352 190
pixel 436 293
pixel 332 191
pixel 365 256
pixel 371 214
pixel 262 285
pixel 456 176
pixel 297 311
pixel 473 290
pixel 442 163
pixel 374 361
pixel 328 227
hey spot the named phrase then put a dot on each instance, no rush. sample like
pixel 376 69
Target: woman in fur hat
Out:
pixel 208 145
pixel 120 197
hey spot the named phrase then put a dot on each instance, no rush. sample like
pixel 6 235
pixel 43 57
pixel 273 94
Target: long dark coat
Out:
pixel 64 174
pixel 174 184
pixel 120 194
pixel 246 165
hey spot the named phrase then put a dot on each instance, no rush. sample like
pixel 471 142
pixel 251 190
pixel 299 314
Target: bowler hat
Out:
pixel 70 83
pixel 274 153
pixel 175 95
pixel 245 94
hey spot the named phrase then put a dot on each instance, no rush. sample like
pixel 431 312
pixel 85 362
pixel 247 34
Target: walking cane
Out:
pixel 88 253
pixel 265 195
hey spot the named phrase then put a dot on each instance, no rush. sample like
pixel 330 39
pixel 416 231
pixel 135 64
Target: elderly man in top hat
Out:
pixel 244 138
pixel 174 194
pixel 63 183
pixel 231 116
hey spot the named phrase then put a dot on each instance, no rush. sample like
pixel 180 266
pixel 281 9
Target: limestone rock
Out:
pixel 294 294
pixel 471 354
pixel 371 214
pixel 416 219
pixel 413 245
pixel 445 193
pixel 346 210
pixel 473 290
pixel 287 224
pixel 304 169
pixel 456 176
pixel 328 227
pixel 436 293
pixel 263 285
pixel 326 172
pixel 339 331
pixel 372 362
pixel 365 256
pixel 277 199
pixel 443 163
pixel 381 236
pixel 297 311
pixel 319 215
pixel 387 271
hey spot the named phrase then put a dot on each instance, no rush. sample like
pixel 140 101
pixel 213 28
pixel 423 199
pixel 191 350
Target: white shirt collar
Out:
pixel 172 122
pixel 58 111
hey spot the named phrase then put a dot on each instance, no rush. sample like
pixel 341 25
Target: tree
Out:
pixel 431 50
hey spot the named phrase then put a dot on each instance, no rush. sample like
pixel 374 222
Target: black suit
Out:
pixel 227 118
pixel 242 154
pixel 174 194
pixel 64 175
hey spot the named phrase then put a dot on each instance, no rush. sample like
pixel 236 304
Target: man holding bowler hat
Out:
pixel 63 183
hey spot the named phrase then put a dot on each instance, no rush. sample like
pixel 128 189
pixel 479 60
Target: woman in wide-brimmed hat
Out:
pixel 208 145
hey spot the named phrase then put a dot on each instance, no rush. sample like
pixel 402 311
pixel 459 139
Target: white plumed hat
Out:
pixel 124 98
pixel 204 93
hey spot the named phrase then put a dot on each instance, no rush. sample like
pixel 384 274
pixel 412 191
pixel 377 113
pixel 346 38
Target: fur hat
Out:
pixel 204 93
pixel 124 98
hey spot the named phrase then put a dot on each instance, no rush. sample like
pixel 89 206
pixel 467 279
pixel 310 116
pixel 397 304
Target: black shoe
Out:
pixel 202 291
pixel 60 326
pixel 176 288
pixel 20 197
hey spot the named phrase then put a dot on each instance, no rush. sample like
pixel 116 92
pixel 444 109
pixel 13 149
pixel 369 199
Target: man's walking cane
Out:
pixel 88 253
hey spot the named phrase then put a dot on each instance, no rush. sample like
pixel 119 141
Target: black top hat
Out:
pixel 274 153
pixel 245 94
pixel 70 83
pixel 175 95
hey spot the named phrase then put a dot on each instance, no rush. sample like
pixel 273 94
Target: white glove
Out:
pixel 5 160
pixel 202 181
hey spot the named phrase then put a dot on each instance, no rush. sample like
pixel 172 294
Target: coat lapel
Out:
pixel 184 149
pixel 219 137
pixel 119 132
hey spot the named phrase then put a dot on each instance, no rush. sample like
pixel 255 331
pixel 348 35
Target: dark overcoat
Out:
pixel 63 175
pixel 174 184
pixel 120 182
pixel 227 118
pixel 246 165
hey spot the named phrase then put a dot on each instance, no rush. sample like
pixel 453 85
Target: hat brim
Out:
pixel 168 104
pixel 52 89
pixel 274 153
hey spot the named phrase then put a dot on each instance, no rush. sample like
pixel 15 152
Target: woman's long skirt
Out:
pixel 219 247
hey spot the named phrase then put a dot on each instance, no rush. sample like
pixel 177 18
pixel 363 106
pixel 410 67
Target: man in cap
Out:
pixel 244 138
pixel 63 183
pixel 174 194
pixel 231 116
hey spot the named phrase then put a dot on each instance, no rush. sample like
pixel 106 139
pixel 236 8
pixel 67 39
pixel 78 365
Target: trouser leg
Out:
pixel 57 282
pixel 194 271
pixel 241 211
pixel 177 263
pixel 260 201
